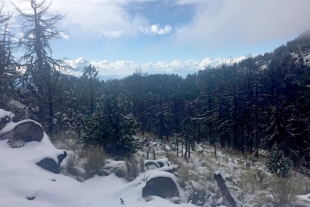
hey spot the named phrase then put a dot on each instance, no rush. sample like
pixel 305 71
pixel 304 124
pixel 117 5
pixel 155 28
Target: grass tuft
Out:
pixel 95 160
pixel 284 192
pixel 71 165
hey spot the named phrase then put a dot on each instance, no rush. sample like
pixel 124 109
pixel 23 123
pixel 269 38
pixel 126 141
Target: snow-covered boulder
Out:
pixel 51 165
pixel 27 131
pixel 163 164
pixel 21 132
pixel 5 117
pixel 162 184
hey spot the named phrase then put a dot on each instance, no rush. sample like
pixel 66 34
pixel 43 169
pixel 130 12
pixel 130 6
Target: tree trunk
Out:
pixel 225 191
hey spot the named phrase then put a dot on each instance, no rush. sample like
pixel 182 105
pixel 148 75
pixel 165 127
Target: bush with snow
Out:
pixel 277 163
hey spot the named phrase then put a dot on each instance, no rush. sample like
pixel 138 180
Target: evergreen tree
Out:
pixel 90 75
pixel 8 73
pixel 112 126
pixel 39 28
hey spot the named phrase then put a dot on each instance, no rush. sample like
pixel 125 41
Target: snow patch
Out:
pixel 4 113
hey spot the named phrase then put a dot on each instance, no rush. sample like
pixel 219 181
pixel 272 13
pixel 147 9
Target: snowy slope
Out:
pixel 21 178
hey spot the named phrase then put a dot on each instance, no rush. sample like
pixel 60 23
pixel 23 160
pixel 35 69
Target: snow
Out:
pixel 9 126
pixel 158 173
pixel 168 168
pixel 22 178
pixel 4 113
pixel 164 162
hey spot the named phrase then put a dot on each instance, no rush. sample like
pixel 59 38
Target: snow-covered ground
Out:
pixel 21 178
pixel 25 184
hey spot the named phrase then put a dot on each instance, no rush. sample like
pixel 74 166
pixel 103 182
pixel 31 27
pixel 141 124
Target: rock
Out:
pixel 31 198
pixel 151 165
pixel 61 157
pixel 22 132
pixel 50 164
pixel 154 164
pixel 5 117
pixel 163 187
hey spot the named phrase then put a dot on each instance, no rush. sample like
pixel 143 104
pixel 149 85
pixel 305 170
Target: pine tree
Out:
pixel 8 73
pixel 39 28
pixel 112 126
pixel 90 75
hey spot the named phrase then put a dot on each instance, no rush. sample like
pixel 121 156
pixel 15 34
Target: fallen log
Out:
pixel 225 191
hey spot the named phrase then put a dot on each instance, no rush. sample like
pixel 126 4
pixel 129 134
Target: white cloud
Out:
pixel 124 68
pixel 63 35
pixel 212 62
pixel 94 18
pixel 216 22
pixel 183 2
pixel 156 29
pixel 97 18
pixel 244 22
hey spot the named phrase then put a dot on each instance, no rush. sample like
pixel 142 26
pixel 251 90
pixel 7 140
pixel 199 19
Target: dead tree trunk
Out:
pixel 225 191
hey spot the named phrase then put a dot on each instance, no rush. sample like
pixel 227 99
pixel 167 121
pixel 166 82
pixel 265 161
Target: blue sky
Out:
pixel 118 36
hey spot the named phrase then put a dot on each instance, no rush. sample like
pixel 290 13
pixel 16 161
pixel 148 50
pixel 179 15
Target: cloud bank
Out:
pixel 243 22
pixel 214 22
pixel 124 68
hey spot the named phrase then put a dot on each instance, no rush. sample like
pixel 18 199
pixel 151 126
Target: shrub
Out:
pixel 277 163
pixel 112 127
pixel 95 159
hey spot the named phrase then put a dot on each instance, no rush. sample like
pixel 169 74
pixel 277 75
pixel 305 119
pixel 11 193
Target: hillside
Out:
pixel 25 184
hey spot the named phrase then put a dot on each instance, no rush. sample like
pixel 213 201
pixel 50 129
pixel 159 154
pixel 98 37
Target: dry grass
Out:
pixel 284 192
pixel 67 141
pixel 132 168
pixel 71 165
pixel 63 136
pixel 95 159
pixel 248 181
pixel 141 165
pixel 208 161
